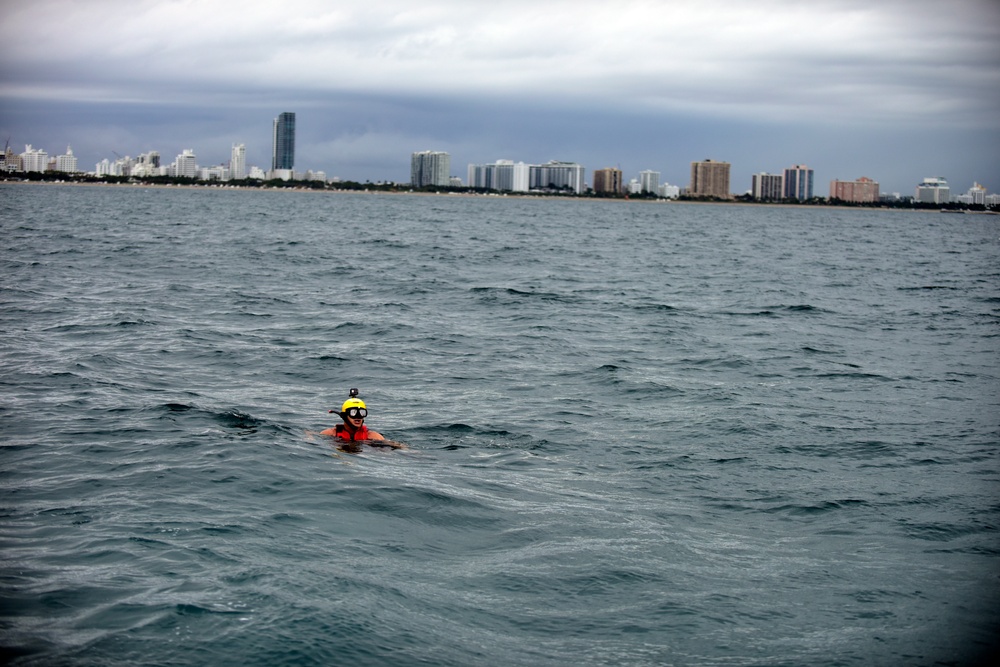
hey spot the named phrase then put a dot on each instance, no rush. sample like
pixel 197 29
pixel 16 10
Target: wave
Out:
pixel 778 311
pixel 231 418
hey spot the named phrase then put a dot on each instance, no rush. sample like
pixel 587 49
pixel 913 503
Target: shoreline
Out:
pixel 476 195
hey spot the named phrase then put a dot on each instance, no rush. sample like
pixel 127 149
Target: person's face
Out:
pixel 356 416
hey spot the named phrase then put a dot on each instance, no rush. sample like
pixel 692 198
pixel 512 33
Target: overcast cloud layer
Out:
pixel 895 90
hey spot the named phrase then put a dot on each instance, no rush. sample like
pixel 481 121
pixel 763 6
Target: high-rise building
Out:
pixel 503 175
pixel 186 164
pixel 608 179
pixel 67 162
pixel 238 162
pixel 709 179
pixel 430 168
pixel 11 160
pixel 862 191
pixel 555 175
pixel 649 181
pixel 283 145
pixel 34 159
pixel 934 190
pixel 799 182
pixel 767 187
pixel 147 164
pixel 976 194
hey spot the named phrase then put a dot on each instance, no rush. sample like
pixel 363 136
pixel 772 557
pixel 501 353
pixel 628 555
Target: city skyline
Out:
pixel 708 178
pixel 896 92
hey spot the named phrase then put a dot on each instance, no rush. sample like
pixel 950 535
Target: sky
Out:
pixel 895 90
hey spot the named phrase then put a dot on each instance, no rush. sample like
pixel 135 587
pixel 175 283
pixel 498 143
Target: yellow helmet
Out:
pixel 352 403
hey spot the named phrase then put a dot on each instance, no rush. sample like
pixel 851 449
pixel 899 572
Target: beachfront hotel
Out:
pixel 934 190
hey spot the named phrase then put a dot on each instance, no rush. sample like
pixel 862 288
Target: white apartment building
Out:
pixel 147 164
pixel 976 194
pixel 238 162
pixel 216 173
pixel 186 165
pixel 668 191
pixel 33 159
pixel 430 168
pixel 67 163
pixel 555 175
pixel 503 175
pixel 649 181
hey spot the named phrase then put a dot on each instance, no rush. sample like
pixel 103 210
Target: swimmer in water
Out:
pixel 353 412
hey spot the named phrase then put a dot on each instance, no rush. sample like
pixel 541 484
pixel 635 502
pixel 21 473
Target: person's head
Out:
pixel 353 411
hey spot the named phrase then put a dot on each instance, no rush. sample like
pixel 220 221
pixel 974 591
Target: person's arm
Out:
pixel 391 443
pixel 382 442
pixel 330 431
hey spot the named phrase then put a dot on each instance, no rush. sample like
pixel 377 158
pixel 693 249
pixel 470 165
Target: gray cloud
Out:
pixel 604 81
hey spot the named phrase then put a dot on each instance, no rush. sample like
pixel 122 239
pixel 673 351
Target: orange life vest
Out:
pixel 341 432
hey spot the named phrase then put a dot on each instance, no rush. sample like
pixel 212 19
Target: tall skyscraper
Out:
pixel 608 179
pixel 799 182
pixel 283 146
pixel 430 168
pixel 709 179
pixel 238 162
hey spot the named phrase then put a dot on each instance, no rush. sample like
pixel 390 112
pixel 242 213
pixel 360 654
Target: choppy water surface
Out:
pixel 641 434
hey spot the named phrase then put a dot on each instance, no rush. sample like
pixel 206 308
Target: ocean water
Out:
pixel 639 433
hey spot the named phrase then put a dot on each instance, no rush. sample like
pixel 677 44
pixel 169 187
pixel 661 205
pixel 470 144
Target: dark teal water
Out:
pixel 641 434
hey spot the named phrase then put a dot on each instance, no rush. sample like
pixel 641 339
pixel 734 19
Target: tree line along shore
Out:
pixel 403 188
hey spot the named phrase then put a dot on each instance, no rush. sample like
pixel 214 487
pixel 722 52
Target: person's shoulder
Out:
pixel 375 435
pixel 330 431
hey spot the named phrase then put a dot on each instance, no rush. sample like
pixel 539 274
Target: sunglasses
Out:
pixel 354 413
